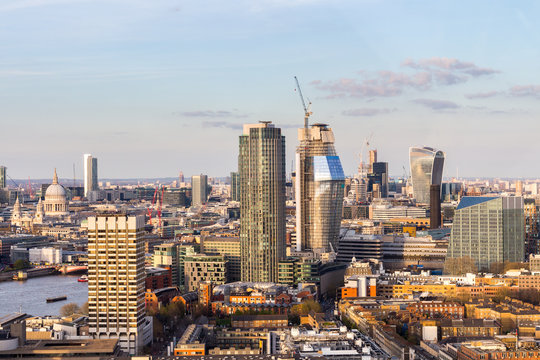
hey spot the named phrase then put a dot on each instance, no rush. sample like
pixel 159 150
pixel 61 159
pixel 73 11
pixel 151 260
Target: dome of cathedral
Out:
pixel 55 198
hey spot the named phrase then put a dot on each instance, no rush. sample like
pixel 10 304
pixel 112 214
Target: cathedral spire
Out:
pixel 55 177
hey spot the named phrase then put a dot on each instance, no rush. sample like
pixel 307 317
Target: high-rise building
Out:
pixel 180 179
pixel 202 268
pixel 166 256
pixel 372 159
pixel 261 165
pixel 426 169
pixel 90 174
pixel 435 206
pixel 3 174
pixel 378 180
pixel 519 188
pixel 184 252
pixel 199 189
pixel 488 230
pixel 532 227
pixel 235 186
pixel 319 189
pixel 228 246
pixel 116 278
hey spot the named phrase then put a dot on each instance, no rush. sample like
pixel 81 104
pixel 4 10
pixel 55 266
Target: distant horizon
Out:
pixel 187 179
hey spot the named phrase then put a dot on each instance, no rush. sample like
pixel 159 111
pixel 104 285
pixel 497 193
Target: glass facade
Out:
pixel 426 169
pixel 261 167
pixel 2 177
pixel 235 186
pixel 319 192
pixel 488 230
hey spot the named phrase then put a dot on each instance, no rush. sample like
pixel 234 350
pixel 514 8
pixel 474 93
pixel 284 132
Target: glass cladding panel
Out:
pixel 327 168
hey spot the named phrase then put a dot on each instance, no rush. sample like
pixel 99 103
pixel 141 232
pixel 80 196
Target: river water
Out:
pixel 31 295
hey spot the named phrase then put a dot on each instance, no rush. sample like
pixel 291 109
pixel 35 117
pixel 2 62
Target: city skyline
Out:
pixel 166 78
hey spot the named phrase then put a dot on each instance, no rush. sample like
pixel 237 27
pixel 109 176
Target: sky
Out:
pixel 152 88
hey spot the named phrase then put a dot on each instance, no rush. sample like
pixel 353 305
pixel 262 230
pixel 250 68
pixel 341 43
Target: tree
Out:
pixel 496 268
pixel 69 309
pixel 306 307
pixel 460 266
pixel 84 309
pixel 503 267
pixel 21 264
pixel 176 309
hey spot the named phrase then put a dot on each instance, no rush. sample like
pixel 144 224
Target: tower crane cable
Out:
pixel 307 111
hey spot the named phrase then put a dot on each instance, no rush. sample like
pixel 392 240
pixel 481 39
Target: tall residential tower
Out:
pixel 116 279
pixel 90 174
pixel 426 170
pixel 319 190
pixel 261 167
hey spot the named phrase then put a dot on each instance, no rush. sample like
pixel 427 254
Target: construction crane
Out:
pixel 307 109
pixel 157 204
pixel 151 208
pixel 365 145
pixel 30 192
pixel 405 174
pixel 160 206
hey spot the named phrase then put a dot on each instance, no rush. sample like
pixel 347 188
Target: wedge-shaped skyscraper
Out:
pixel 426 170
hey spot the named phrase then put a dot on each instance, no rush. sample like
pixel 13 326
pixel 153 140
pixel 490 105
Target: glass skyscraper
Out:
pixel 488 229
pixel 426 169
pixel 3 171
pixel 261 168
pixel 235 188
pixel 319 189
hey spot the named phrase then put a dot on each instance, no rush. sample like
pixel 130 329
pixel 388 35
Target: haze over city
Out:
pixel 149 87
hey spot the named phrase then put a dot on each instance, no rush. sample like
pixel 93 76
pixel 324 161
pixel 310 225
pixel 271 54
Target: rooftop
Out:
pixel 66 347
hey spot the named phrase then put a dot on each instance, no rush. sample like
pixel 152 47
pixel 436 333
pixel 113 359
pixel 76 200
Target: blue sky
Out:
pixel 155 87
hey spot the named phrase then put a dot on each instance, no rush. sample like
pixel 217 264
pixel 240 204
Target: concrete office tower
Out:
pixel 180 178
pixel 488 230
pixel 90 174
pixel 235 186
pixel 199 189
pixel 319 190
pixel 261 165
pixel 116 279
pixel 3 174
pixel 435 206
pixel 426 169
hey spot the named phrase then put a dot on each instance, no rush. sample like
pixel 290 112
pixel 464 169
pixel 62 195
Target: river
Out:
pixel 31 295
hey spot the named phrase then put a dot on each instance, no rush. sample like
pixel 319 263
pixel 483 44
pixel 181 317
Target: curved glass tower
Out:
pixel 319 189
pixel 426 169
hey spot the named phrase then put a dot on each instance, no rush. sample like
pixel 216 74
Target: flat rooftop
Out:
pixel 66 347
